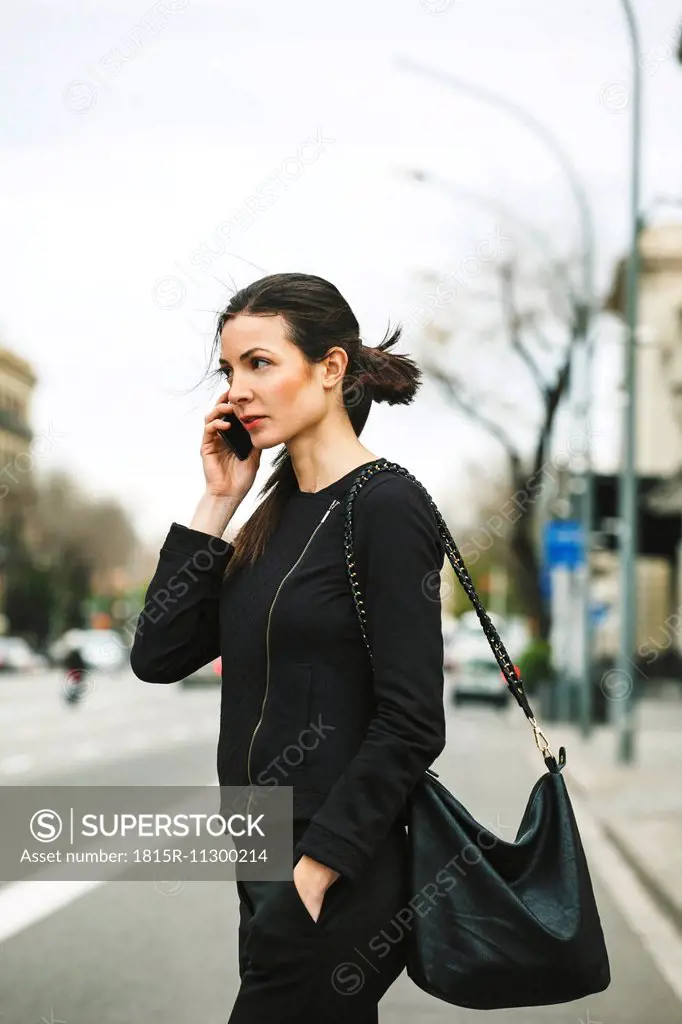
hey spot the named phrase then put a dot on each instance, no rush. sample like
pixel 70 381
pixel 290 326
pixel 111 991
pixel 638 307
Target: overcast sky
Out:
pixel 131 132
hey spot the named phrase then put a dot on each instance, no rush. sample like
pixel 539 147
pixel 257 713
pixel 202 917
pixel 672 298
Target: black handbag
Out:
pixel 523 928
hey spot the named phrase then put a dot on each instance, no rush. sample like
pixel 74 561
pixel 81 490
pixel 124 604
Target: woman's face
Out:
pixel 268 376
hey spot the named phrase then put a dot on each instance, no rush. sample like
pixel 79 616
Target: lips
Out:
pixel 251 421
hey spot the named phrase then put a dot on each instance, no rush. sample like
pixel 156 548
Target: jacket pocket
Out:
pixel 282 747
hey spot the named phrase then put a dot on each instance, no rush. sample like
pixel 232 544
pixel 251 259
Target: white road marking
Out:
pixel 23 904
pixel 99 746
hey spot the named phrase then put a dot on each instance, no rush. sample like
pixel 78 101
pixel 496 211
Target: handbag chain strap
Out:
pixel 514 681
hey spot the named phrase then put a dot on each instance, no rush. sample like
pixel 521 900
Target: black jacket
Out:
pixel 301 703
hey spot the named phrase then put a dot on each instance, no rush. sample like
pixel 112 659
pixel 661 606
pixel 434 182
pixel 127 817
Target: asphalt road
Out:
pixel 128 952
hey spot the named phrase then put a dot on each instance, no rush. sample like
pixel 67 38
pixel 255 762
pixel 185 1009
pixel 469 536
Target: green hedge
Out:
pixel 536 664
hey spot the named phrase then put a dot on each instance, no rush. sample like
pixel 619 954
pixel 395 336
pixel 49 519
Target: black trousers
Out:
pixel 335 969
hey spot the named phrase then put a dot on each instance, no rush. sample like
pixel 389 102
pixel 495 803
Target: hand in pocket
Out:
pixel 308 889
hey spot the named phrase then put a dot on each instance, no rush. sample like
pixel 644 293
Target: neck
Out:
pixel 320 457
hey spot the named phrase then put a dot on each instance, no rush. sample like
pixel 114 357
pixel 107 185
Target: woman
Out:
pixel 301 702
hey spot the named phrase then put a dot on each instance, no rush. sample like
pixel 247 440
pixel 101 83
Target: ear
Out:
pixel 335 366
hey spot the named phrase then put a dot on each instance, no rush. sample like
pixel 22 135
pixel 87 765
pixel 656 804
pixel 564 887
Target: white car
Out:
pixel 516 635
pixel 470 663
pixel 476 676
pixel 103 649
pixel 17 655
pixel 66 642
pixel 100 648
pixel 459 634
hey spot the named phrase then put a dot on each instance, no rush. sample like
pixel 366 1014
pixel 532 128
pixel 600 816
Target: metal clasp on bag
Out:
pixel 544 749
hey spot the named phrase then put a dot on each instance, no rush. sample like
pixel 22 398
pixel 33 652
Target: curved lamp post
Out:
pixel 582 398
pixel 463 192
pixel 627 503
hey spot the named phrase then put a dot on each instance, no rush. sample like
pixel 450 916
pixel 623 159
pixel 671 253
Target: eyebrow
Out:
pixel 245 355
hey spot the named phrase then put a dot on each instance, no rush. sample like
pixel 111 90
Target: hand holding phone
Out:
pixel 238 438
pixel 230 464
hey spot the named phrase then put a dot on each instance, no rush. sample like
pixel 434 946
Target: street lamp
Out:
pixel 627 497
pixel 582 387
pixel 459 192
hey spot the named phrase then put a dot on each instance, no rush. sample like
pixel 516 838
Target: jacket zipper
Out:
pixel 334 503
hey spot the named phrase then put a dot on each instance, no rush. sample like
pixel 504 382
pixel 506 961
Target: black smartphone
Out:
pixel 237 437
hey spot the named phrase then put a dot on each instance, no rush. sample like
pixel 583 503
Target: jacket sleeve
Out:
pixel 178 629
pixel 399 555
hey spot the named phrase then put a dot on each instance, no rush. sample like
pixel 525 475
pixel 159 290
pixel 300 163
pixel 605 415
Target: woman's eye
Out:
pixel 226 371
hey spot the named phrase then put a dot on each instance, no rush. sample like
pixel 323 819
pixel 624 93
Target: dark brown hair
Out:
pixel 318 318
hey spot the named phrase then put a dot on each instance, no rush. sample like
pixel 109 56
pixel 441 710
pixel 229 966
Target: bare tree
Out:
pixel 65 517
pixel 71 538
pixel 504 362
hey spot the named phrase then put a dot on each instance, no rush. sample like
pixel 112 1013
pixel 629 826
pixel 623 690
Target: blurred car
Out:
pixel 469 623
pixel 100 648
pixel 103 649
pixel 67 641
pixel 459 634
pixel 516 635
pixel 17 655
pixel 207 675
pixel 475 675
pixel 449 626
pixel 473 672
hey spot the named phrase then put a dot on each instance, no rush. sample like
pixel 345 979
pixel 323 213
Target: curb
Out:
pixel 650 882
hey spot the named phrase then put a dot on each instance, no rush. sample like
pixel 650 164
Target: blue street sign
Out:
pixel 563 544
pixel 598 612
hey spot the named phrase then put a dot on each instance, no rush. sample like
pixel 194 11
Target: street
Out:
pixel 122 953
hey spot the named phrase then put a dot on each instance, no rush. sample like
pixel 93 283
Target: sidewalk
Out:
pixel 639 805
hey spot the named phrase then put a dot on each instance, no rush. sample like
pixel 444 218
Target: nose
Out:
pixel 239 394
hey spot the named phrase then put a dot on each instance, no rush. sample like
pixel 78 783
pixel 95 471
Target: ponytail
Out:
pixel 389 377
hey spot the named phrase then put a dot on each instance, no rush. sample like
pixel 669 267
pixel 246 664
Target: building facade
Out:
pixel 658 448
pixel 17 384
